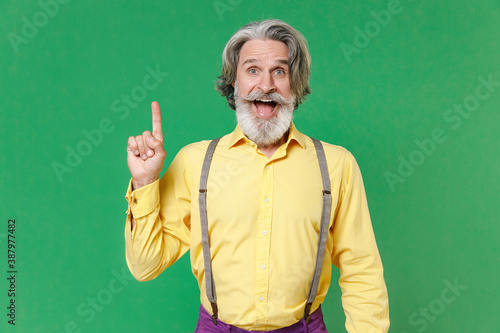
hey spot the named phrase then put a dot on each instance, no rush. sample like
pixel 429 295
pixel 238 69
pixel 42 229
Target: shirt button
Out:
pixel 260 299
pixel 267 167
pixel 262 266
pixel 266 200
pixel 264 232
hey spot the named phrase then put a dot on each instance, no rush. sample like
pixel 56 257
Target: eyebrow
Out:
pixel 252 60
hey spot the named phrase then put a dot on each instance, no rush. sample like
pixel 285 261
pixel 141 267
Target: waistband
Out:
pixel 205 325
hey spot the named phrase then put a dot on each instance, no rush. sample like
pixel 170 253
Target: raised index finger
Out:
pixel 155 110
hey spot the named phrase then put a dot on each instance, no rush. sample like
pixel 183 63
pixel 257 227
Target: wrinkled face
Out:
pixel 263 96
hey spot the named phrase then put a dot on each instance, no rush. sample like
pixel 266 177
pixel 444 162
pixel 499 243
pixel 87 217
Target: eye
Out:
pixel 252 71
pixel 280 72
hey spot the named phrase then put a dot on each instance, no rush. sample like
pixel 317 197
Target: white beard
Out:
pixel 264 132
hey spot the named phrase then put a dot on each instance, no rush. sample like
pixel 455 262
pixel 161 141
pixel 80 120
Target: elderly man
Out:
pixel 265 210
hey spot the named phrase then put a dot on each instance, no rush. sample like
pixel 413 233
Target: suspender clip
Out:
pixel 306 312
pixel 326 192
pixel 203 190
pixel 215 311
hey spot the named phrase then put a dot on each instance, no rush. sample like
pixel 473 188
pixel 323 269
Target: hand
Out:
pixel 145 153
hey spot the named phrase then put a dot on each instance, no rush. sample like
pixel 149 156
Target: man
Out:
pixel 255 229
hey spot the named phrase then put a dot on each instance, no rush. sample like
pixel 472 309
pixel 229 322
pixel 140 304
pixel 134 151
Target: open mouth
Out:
pixel 265 108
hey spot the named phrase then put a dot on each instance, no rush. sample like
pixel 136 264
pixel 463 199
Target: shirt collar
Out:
pixel 237 137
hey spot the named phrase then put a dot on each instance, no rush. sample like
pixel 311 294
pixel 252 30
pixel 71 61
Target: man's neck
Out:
pixel 270 150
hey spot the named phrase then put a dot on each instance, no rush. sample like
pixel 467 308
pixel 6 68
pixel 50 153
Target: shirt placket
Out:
pixel 263 245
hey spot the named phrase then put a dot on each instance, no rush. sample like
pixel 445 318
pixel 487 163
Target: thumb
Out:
pixel 154 143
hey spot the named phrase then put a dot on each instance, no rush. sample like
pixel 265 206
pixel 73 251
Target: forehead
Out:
pixel 258 50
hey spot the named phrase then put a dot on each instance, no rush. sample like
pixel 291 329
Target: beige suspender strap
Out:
pixel 209 278
pixel 323 233
pixel 325 217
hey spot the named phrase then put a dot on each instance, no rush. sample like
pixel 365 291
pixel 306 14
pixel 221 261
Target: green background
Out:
pixel 440 224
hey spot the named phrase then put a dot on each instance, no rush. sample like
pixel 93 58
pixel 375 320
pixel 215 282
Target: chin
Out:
pixel 267 130
pixel 263 131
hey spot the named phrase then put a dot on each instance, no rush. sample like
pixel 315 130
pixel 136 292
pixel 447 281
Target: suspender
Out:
pixel 209 278
pixel 323 233
pixel 325 217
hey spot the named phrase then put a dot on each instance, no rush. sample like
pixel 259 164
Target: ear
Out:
pixel 232 83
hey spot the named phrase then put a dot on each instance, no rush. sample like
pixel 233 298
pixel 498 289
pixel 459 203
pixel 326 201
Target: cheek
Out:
pixel 286 91
pixel 245 87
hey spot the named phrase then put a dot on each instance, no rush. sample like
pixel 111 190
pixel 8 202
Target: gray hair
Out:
pixel 299 59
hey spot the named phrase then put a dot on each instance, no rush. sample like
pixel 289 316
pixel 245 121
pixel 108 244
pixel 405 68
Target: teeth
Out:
pixel 264 100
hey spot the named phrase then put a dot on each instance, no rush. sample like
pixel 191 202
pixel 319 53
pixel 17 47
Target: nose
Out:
pixel 266 83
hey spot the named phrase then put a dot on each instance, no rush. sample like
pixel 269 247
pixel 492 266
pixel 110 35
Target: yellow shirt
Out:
pixel 263 220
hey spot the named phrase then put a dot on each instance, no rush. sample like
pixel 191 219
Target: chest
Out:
pixel 283 194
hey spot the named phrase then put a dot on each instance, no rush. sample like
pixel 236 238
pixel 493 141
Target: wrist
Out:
pixel 137 184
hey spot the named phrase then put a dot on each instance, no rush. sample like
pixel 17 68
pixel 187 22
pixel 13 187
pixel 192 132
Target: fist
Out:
pixel 145 153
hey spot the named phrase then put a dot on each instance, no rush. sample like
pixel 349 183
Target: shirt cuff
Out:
pixel 143 201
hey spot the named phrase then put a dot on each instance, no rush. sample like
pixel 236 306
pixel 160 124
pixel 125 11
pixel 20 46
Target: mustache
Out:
pixel 275 97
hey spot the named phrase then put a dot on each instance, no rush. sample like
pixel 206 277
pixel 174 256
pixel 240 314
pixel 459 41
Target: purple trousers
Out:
pixel 316 325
